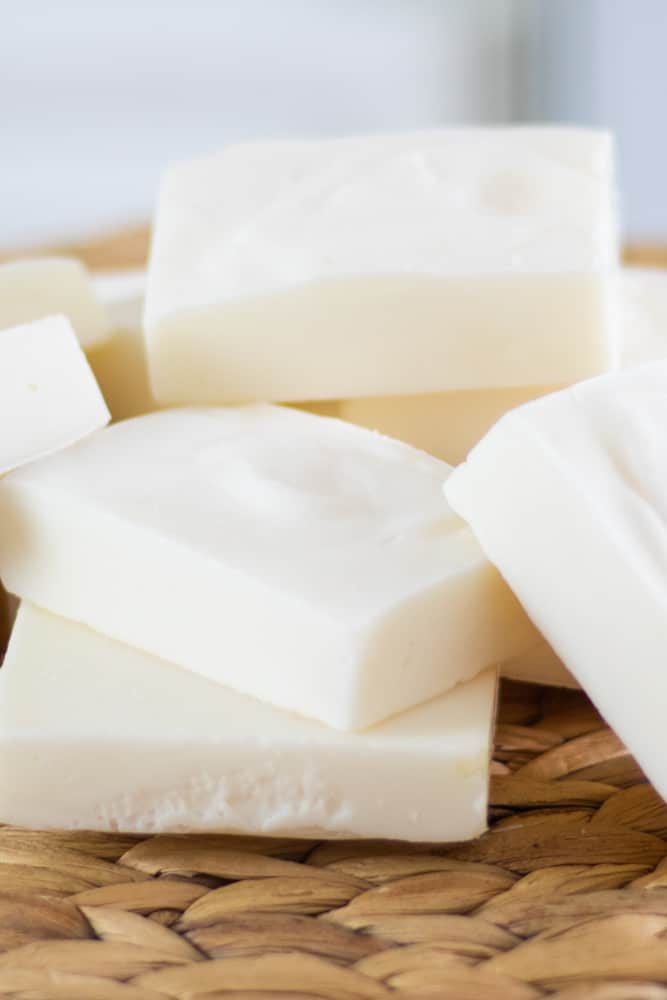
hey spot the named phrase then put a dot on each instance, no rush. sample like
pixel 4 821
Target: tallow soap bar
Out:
pixel 410 263
pixel 33 289
pixel 296 558
pixel 48 395
pixel 449 424
pixel 95 735
pixel 568 497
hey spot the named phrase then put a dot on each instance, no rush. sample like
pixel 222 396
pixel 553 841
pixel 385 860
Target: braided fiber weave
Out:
pixel 565 896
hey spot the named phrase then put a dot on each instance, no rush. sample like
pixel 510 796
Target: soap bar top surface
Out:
pixel 299 501
pixel 97 735
pixel 48 395
pixel 33 289
pixel 567 495
pixel 264 217
pixel 296 558
pixel 383 265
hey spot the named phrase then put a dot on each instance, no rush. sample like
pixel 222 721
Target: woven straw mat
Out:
pixel 565 896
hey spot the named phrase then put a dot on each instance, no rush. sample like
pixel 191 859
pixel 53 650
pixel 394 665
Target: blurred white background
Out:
pixel 96 97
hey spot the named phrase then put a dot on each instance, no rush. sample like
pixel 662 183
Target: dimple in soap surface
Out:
pixel 299 559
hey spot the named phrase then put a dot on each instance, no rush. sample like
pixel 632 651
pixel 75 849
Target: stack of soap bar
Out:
pixel 48 395
pixel 119 361
pixel 299 559
pixel 568 497
pixel 50 286
pixel 95 735
pixel 424 262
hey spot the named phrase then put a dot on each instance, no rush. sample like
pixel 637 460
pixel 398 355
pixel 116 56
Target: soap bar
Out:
pixel 445 424
pixel 296 558
pixel 95 735
pixel 48 395
pixel 387 264
pixel 448 424
pixel 48 286
pixel 119 360
pixel 567 496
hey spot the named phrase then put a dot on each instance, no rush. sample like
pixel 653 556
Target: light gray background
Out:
pixel 96 97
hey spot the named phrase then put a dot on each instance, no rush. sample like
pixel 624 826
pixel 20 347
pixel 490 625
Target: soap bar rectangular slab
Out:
pixel 310 563
pixel 382 265
pixel 95 735
pixel 48 395
pixel 33 289
pixel 568 497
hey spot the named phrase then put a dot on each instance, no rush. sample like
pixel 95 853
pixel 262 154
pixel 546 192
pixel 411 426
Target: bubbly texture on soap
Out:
pixel 296 558
pixel 95 735
pixel 284 270
pixel 33 289
pixel 48 395
pixel 567 496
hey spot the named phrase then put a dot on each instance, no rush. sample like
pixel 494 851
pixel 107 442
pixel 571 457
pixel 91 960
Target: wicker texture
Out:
pixel 564 896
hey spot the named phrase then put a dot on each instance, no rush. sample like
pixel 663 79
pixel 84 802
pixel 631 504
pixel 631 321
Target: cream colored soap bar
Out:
pixel 445 424
pixel 95 735
pixel 568 497
pixel 448 424
pixel 48 395
pixel 119 361
pixel 33 289
pixel 296 558
pixel 384 264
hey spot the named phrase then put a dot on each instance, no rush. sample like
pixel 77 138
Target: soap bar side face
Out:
pixel 434 251
pixel 33 289
pixel 119 361
pixel 539 665
pixel 446 424
pixel 566 498
pixel 370 593
pixel 48 395
pixel 138 745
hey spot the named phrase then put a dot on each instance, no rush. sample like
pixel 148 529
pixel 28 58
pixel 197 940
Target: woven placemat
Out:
pixel 565 896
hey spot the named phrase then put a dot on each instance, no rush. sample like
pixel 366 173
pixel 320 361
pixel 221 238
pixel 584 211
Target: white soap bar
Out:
pixel 296 558
pixel 48 286
pixel 119 361
pixel 48 395
pixel 568 497
pixel 421 262
pixel 95 735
